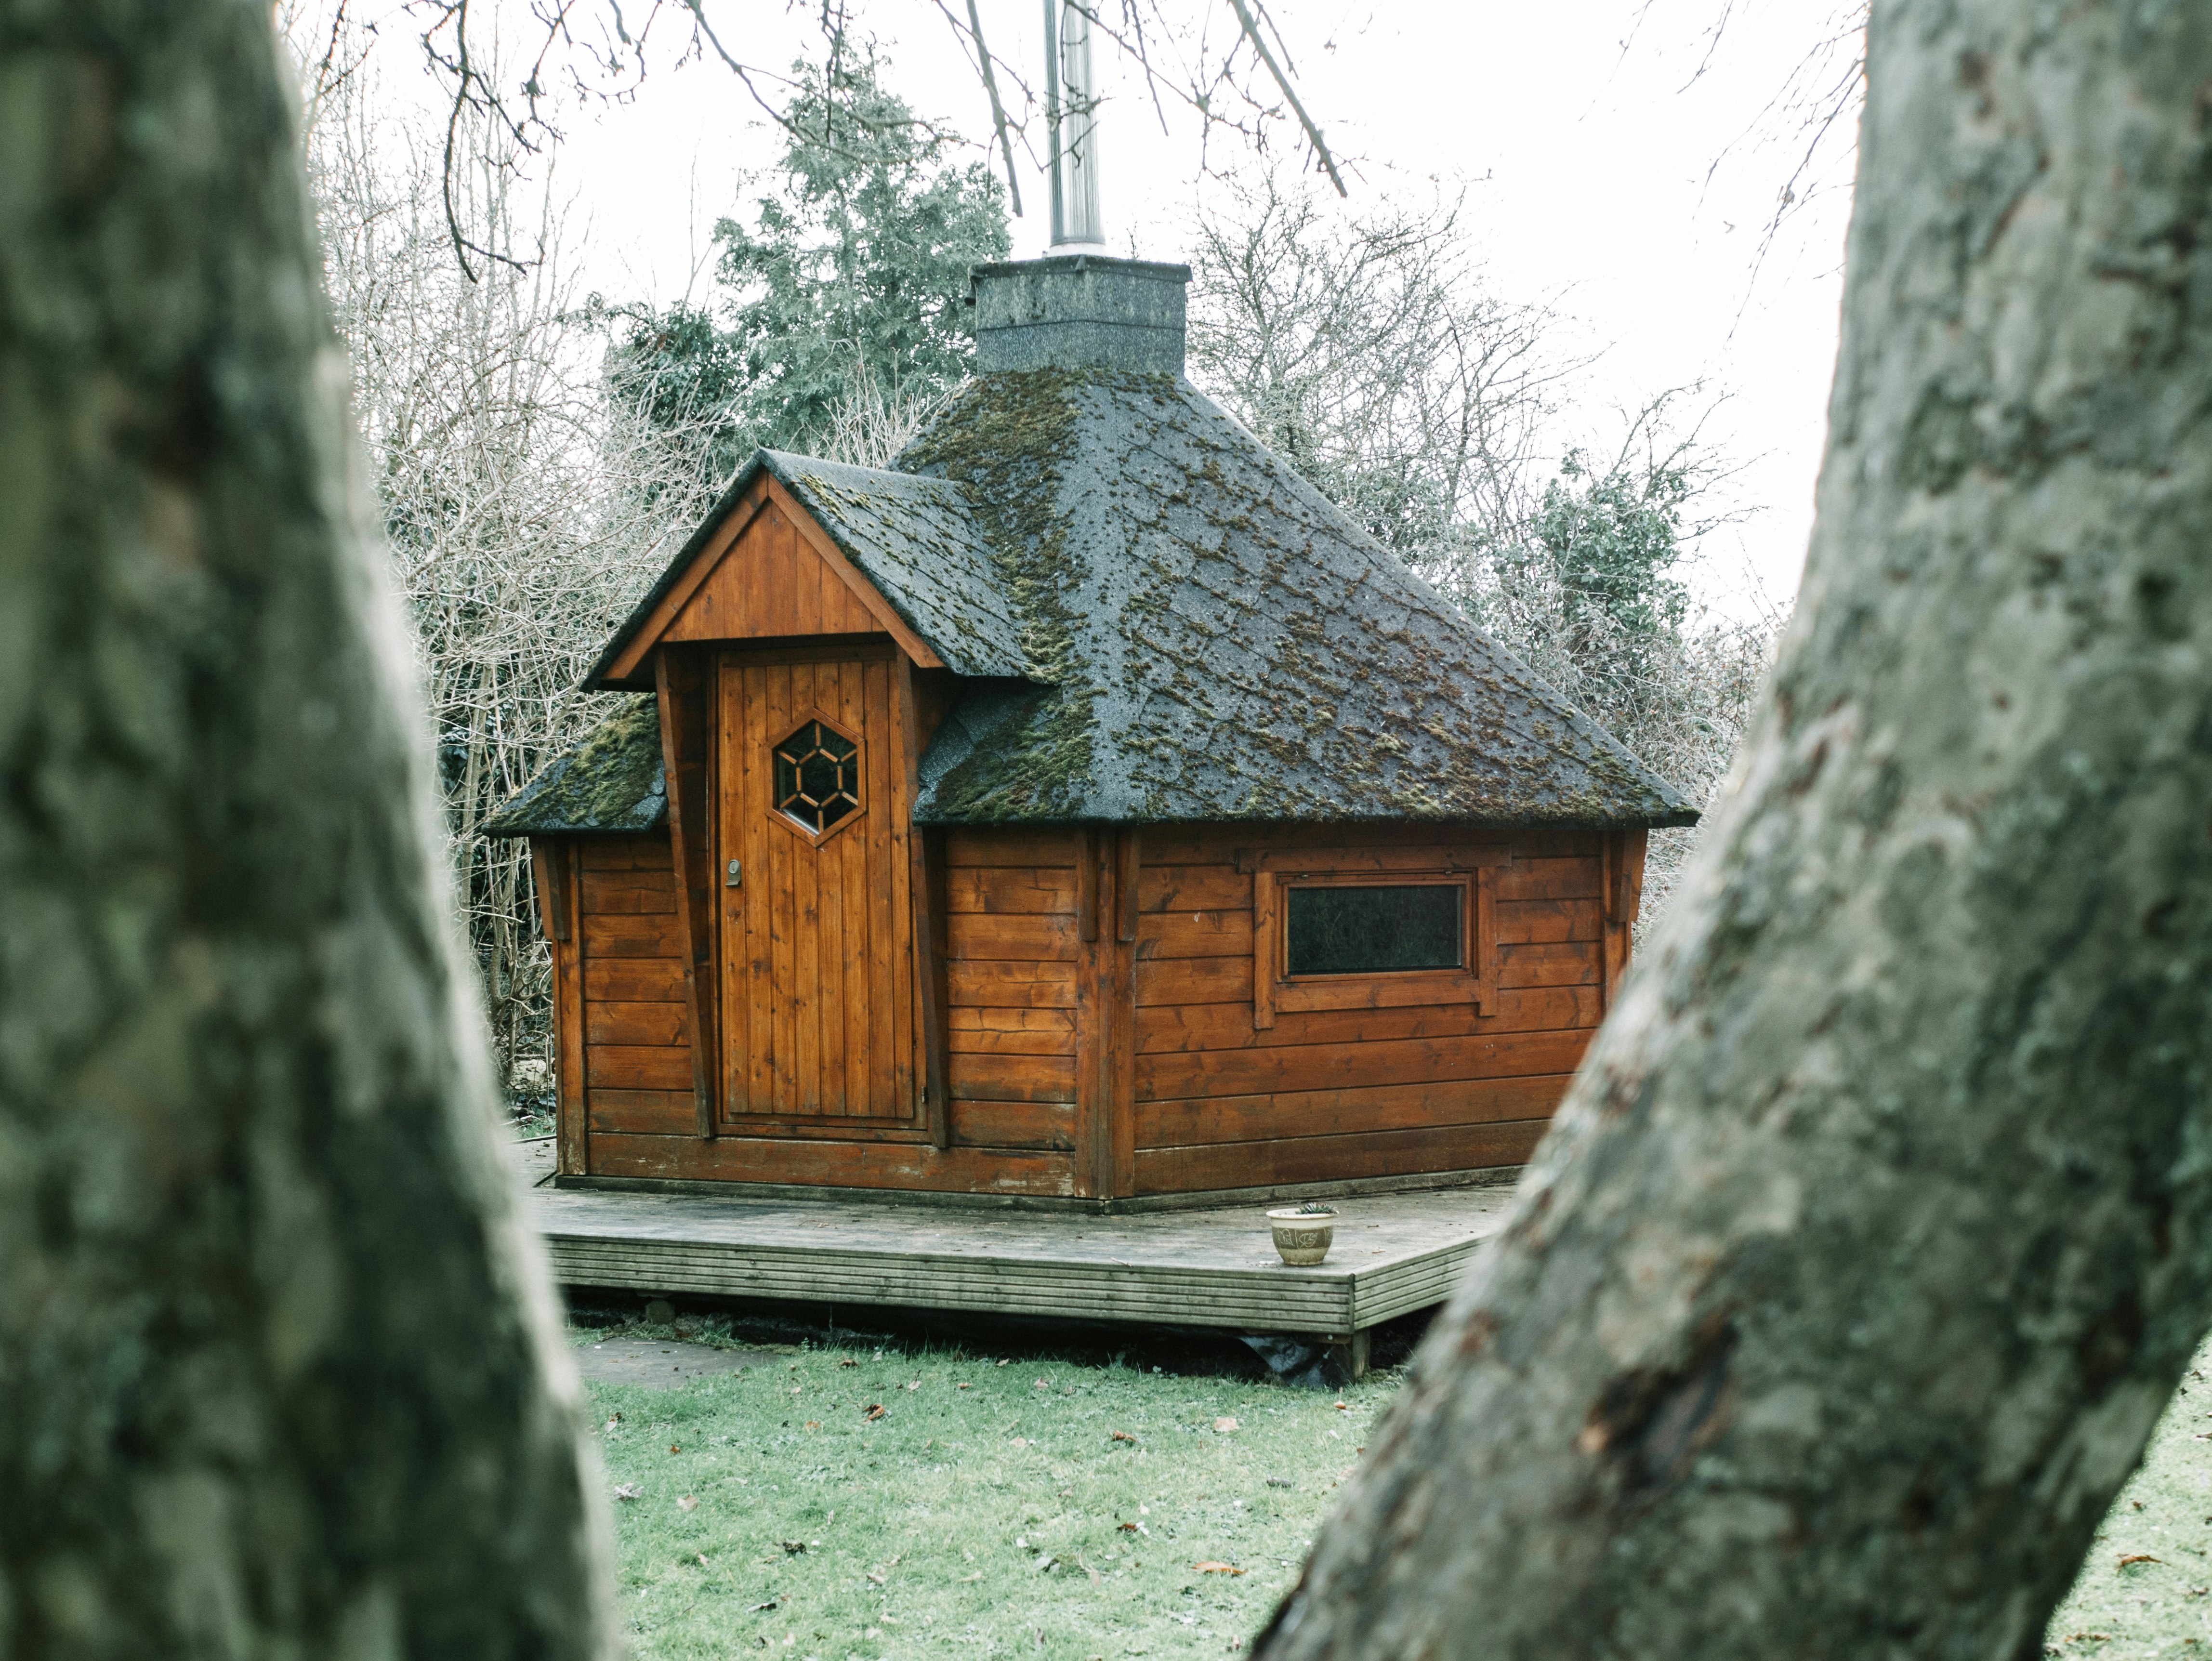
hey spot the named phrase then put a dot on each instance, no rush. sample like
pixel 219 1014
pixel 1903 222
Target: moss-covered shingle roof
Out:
pixel 914 539
pixel 1160 622
pixel 1216 641
pixel 613 780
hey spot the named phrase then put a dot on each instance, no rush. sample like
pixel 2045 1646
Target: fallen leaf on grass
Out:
pixel 1086 1568
pixel 689 1502
pixel 1128 1528
pixel 1019 1442
pixel 962 1386
pixel 629 1491
pixel 873 1576
pixel 1120 1436
pixel 1217 1568
pixel 773 1603
pixel 1224 1426
pixel 792 1548
pixel 916 1384
pixel 848 1362
pixel 966 1579
pixel 2138 1557
pixel 814 1424
pixel 672 1448
pixel 702 1560
pixel 875 1410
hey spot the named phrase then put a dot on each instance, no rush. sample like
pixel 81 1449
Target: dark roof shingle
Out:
pixel 1159 621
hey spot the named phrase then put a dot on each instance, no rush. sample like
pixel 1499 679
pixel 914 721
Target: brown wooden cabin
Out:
pixel 1085 810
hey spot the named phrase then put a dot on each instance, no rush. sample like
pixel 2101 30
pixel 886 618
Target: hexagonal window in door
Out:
pixel 817 777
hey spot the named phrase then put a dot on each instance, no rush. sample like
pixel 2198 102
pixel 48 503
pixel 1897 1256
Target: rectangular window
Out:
pixel 1372 929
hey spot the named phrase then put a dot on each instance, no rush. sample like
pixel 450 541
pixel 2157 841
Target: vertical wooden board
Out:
pixel 1121 1068
pixel 853 882
pixel 1485 940
pixel 1094 1131
pixel 783 966
pixel 907 1037
pixel 1264 954
pixel 780 572
pixel 572 1149
pixel 683 737
pixel 885 970
pixel 760 902
pixel 828 988
pixel 1086 888
pixel 730 823
pixel 808 912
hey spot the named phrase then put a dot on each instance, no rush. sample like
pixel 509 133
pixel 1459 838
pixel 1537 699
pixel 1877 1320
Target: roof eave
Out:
pixel 597 678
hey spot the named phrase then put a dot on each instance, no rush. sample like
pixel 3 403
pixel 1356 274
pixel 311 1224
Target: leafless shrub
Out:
pixel 1372 356
pixel 526 511
pixel 872 423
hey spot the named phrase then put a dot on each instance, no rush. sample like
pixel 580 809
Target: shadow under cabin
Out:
pixel 1083 812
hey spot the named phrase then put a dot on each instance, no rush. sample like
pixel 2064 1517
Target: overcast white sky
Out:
pixel 1587 132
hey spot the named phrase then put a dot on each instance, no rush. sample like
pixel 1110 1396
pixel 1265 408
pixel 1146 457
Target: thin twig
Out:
pixel 1282 81
pixel 998 110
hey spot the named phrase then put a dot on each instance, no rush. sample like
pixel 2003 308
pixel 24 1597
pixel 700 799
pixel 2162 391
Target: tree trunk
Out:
pixel 280 1371
pixel 1875 1232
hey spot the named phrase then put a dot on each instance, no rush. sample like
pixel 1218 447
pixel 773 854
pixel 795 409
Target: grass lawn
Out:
pixel 860 1500
pixel 2147 1587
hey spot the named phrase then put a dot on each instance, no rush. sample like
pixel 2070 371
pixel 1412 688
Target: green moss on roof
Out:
pixel 612 781
pixel 1223 643
pixel 1002 439
pixel 1156 620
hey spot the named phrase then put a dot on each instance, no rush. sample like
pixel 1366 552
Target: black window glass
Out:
pixel 818 776
pixel 1366 931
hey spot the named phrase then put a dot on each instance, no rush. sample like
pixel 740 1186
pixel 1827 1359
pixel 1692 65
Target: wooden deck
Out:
pixel 1393 1253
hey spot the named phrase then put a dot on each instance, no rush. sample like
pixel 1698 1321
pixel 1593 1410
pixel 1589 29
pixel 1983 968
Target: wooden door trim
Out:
pixel 685 766
pixel 926 884
pixel 571 1122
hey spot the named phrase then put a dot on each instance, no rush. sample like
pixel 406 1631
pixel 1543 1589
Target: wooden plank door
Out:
pixel 817 937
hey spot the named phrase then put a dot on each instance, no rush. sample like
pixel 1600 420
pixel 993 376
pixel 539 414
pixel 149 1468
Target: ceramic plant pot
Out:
pixel 1303 1236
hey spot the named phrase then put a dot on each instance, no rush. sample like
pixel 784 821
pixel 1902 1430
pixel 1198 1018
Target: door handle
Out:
pixel 734 874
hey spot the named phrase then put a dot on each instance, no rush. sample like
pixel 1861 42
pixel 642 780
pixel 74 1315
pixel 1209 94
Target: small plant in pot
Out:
pixel 1303 1232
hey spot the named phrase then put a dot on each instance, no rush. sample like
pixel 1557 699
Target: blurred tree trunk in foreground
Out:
pixel 274 1352
pixel 1876 1231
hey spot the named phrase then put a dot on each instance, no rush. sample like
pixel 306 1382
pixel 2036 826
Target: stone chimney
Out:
pixel 1078 312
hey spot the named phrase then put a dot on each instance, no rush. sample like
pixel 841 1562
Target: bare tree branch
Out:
pixel 1313 133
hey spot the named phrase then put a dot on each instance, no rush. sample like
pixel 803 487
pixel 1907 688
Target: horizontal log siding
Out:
pixel 637 1047
pixel 1013 939
pixel 1334 1095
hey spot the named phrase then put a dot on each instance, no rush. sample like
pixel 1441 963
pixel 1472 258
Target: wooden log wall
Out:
pixel 637 1047
pixel 637 1103
pixel 1205 1099
pixel 1333 1095
pixel 1012 945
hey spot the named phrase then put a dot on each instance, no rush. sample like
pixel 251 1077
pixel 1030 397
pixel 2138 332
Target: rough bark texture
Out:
pixel 274 1351
pixel 1877 1231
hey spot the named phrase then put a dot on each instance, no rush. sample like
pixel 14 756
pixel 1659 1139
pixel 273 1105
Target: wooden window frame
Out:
pixel 1472 870
pixel 815 838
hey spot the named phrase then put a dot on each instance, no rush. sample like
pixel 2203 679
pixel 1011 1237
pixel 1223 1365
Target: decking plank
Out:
pixel 1214 1268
